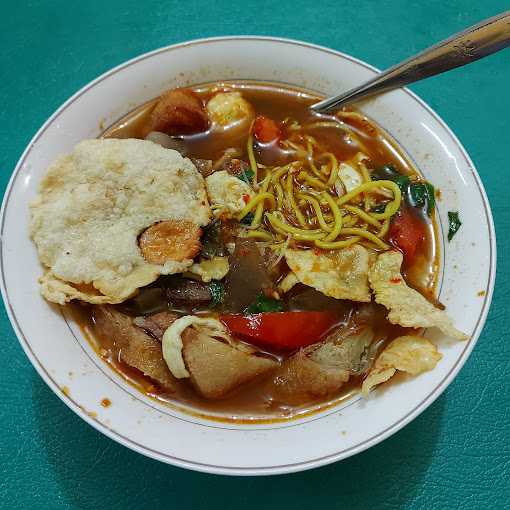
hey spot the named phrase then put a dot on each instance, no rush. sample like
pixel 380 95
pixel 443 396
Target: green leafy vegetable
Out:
pixel 390 173
pixel 422 195
pixel 403 183
pixel 247 219
pixel 265 304
pixel 385 172
pixel 217 291
pixel 431 196
pixel 246 176
pixel 454 224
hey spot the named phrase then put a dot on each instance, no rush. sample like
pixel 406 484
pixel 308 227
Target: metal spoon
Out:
pixel 478 41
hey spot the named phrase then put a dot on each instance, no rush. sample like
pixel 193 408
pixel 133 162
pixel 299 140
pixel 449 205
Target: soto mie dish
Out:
pixel 226 248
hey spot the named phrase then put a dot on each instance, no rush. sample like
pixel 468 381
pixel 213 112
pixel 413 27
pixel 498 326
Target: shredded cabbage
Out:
pixel 172 340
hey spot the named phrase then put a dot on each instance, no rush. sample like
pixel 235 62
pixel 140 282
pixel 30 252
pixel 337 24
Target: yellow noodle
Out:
pixel 266 172
pixel 364 172
pixel 275 177
pixel 293 145
pixel 391 207
pixel 352 115
pixel 257 217
pixel 363 215
pixel 292 124
pixel 369 202
pixel 325 124
pixel 260 234
pixel 325 171
pixel 343 223
pixel 335 245
pixel 309 157
pixel 289 192
pixel 296 237
pixel 333 174
pixel 297 233
pixel 279 195
pixel 336 215
pixel 350 221
pixel 312 181
pixel 255 201
pixel 366 234
pixel 251 157
pixel 366 178
pixel 384 229
pixel 318 212
pixel 301 151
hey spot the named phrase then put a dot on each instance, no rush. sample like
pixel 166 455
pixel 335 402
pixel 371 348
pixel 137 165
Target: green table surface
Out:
pixel 455 455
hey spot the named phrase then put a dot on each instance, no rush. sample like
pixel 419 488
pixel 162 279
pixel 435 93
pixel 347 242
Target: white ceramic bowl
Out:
pixel 71 369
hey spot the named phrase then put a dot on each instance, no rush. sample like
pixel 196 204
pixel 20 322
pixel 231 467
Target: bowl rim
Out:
pixel 287 468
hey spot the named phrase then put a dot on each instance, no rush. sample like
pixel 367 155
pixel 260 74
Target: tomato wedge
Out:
pixel 407 233
pixel 266 130
pixel 282 331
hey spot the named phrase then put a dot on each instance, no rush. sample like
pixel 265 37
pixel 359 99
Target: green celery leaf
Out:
pixel 217 291
pixel 454 224
pixel 264 304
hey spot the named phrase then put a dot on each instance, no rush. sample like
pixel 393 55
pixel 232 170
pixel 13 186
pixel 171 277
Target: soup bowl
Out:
pixel 69 365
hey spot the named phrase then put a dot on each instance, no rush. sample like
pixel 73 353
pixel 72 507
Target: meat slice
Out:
pixel 217 368
pixel 178 112
pixel 156 324
pixel 300 379
pixel 136 348
pixel 186 292
pixel 248 275
pixel 170 240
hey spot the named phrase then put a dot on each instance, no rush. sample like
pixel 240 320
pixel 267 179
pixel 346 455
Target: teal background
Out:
pixel 455 455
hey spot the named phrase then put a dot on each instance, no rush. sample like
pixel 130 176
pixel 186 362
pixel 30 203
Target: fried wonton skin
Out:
pixel 342 274
pixel 411 354
pixel 94 203
pixel 407 307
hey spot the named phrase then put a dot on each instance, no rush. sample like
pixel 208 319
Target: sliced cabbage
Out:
pixel 172 340
pixel 411 354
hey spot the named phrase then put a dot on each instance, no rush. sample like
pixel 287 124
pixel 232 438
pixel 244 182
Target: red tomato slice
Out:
pixel 407 233
pixel 266 130
pixel 281 331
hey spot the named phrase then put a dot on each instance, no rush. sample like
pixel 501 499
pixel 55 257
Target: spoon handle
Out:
pixel 478 41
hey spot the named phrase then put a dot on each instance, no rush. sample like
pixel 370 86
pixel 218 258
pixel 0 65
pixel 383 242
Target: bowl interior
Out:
pixel 67 363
